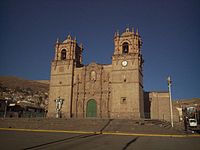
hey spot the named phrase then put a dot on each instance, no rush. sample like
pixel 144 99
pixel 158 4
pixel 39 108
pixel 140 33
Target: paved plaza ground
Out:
pixel 21 140
pixel 94 134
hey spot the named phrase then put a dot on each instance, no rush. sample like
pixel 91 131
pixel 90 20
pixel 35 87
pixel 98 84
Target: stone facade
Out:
pixel 104 91
pixel 97 90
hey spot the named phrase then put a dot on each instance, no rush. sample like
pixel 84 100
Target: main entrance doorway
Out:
pixel 91 110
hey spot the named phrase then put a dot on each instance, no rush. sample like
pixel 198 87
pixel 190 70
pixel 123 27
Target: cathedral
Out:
pixel 101 91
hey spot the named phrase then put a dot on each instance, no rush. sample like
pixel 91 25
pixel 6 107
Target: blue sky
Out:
pixel 170 30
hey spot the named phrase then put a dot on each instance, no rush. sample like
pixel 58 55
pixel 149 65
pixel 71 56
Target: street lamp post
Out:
pixel 195 114
pixel 170 99
pixel 5 109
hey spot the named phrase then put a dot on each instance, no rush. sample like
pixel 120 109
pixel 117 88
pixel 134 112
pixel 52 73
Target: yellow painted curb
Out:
pixel 53 131
pixel 104 133
pixel 147 135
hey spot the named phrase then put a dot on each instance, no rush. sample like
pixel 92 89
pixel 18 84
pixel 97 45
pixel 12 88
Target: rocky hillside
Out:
pixel 17 89
pixel 15 82
pixel 187 102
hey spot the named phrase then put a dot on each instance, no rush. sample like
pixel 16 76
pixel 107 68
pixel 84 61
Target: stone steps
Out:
pixel 94 125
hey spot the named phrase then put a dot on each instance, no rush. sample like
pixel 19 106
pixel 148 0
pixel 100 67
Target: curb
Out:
pixel 104 133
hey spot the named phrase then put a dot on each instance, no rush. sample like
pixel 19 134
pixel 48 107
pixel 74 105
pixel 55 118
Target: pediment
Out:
pixel 94 65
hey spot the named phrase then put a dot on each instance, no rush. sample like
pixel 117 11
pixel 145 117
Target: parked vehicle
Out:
pixel 192 122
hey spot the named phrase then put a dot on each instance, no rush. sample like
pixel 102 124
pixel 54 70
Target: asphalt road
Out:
pixel 18 140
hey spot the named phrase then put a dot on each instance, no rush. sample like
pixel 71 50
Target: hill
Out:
pixel 18 90
pixel 15 82
pixel 187 102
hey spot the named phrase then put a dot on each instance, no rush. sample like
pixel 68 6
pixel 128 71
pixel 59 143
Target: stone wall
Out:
pixel 157 104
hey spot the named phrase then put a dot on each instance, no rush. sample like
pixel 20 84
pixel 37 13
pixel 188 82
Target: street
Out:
pixel 21 140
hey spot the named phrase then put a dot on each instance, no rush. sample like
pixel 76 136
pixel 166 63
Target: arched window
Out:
pixel 93 75
pixel 63 54
pixel 125 48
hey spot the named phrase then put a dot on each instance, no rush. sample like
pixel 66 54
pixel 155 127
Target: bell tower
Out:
pixel 68 56
pixel 127 76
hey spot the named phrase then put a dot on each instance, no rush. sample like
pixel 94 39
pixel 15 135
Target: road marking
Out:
pixel 105 133
pixel 152 135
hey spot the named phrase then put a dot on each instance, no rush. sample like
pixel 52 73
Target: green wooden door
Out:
pixel 91 108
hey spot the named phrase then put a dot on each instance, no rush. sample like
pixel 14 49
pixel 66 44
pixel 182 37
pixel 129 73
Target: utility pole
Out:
pixel 169 81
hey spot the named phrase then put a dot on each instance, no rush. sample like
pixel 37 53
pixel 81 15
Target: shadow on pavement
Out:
pixel 129 143
pixel 106 125
pixel 66 139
